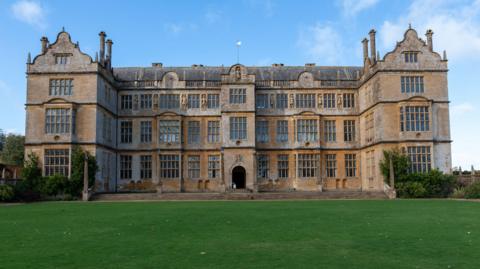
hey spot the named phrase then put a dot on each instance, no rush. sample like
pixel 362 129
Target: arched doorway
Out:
pixel 238 177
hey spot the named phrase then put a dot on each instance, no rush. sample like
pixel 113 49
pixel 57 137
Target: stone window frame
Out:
pixel 420 158
pixel 369 127
pixel 330 130
pixel 348 100
pixel 412 84
pixel 411 56
pixel 283 165
pixel 213 100
pixel 62 58
pixel 126 102
pixel 169 131
pixel 417 120
pixel 331 165
pixel 238 95
pixel 126 131
pixel 308 165
pixel 126 166
pixel 59 120
pixel 238 128
pixel 350 164
pixel 263 166
pixel 193 101
pixel 281 101
pixel 282 131
pixel 145 166
pixel 193 166
pixel 61 87
pixel 262 134
pixel 146 131
pixel 262 101
pixel 56 161
pixel 307 130
pixel 348 130
pixel 305 100
pixel 329 100
pixel 146 101
pixel 169 166
pixel 193 132
pixel 213 131
pixel 214 166
pixel 169 101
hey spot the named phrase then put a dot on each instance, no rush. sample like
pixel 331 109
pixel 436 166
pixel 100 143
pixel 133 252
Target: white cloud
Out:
pixel 352 7
pixel 177 28
pixel 456 27
pixel 322 44
pixel 213 15
pixel 30 12
pixel 461 109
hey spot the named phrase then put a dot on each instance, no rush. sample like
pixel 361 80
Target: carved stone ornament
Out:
pixel 238 73
pixel 339 99
pixel 183 101
pixel 204 101
pixel 291 100
pixel 320 100
pixel 238 158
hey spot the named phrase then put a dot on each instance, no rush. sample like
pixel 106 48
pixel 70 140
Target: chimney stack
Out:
pixel 365 49
pixel 109 53
pixel 429 35
pixel 102 47
pixel 373 50
pixel 44 41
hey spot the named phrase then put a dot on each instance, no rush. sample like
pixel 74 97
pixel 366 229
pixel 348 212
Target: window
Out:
pixel 238 128
pixel 370 156
pixel 213 132
pixel 411 56
pixel 169 131
pixel 194 166
pixel 348 130
pixel 169 166
pixel 107 128
pixel 56 161
pixel 62 58
pixel 262 101
pixel 262 131
pixel 194 101
pixel 331 165
pixel 145 166
pixel 126 131
pixel 145 131
pixel 307 130
pixel 145 101
pixel 238 96
pixel 369 125
pixel 193 132
pixel 262 166
pixel 61 87
pixel 213 166
pixel 330 130
pixel 282 100
pixel 126 102
pixel 329 100
pixel 125 166
pixel 169 101
pixel 213 101
pixel 282 165
pixel 350 165
pixel 348 100
pixel 282 131
pixel 412 84
pixel 420 159
pixel 307 165
pixel 57 121
pixel 414 119
pixel 304 100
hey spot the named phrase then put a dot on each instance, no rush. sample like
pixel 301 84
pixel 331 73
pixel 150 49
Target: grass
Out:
pixel 243 234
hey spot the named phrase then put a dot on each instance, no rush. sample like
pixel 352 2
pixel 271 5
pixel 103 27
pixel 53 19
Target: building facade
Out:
pixel 203 128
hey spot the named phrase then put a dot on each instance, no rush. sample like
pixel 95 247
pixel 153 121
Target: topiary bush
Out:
pixel 473 191
pixel 7 193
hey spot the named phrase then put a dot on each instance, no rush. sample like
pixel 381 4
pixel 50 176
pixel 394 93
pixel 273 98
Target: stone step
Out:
pixel 239 196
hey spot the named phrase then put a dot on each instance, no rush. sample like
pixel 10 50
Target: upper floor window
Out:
pixel 348 130
pixel 329 100
pixel 62 58
pixel 420 159
pixel 126 102
pixel 169 101
pixel 262 100
pixel 414 118
pixel 169 131
pixel 307 130
pixel 411 56
pixel 238 128
pixel 56 161
pixel 305 100
pixel 126 131
pixel 145 101
pixel 330 130
pixel 262 131
pixel 213 131
pixel 169 166
pixel 412 84
pixel 193 132
pixel 369 126
pixel 282 100
pixel 145 131
pixel 194 101
pixel 213 100
pixel 348 100
pixel 238 96
pixel 262 166
pixel 58 121
pixel 282 131
pixel 61 87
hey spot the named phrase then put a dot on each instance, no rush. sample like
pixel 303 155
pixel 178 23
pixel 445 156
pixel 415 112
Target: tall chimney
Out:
pixel 373 50
pixel 109 53
pixel 365 49
pixel 44 41
pixel 102 47
pixel 429 35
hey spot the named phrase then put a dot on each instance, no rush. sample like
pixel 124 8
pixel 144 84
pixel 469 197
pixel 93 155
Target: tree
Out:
pixel 31 184
pixel 13 149
pixel 401 163
pixel 2 139
pixel 76 179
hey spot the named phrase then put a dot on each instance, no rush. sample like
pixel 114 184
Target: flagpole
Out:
pixel 239 43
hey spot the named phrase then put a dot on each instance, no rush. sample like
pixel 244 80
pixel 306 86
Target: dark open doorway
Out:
pixel 238 177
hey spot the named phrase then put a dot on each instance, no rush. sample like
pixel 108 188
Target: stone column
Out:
pixel 85 178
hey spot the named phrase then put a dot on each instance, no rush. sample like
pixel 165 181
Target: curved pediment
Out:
pixel 169 113
pixel 57 100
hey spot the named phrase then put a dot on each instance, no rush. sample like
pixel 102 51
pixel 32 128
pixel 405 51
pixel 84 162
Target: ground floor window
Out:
pixel 282 165
pixel 125 166
pixel 213 166
pixel 351 165
pixel 56 161
pixel 194 166
pixel 420 159
pixel 262 166
pixel 169 166
pixel 308 165
pixel 146 167
pixel 331 165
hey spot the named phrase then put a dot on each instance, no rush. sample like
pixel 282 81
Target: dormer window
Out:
pixel 62 58
pixel 411 56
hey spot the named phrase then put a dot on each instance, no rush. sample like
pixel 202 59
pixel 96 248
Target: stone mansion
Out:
pixel 258 128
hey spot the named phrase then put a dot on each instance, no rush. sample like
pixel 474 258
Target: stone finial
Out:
pixel 429 35
pixel 29 58
pixel 373 48
pixel 44 41
pixel 444 55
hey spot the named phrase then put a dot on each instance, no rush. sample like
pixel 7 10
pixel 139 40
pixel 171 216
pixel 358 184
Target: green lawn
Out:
pixel 243 234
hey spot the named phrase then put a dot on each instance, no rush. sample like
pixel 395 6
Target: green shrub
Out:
pixel 6 193
pixel 473 191
pixel 410 190
pixel 75 184
pixel 29 188
pixel 437 184
pixel 458 193
pixel 54 185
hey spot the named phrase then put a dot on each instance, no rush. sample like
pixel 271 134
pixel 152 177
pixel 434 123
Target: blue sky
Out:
pixel 271 31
